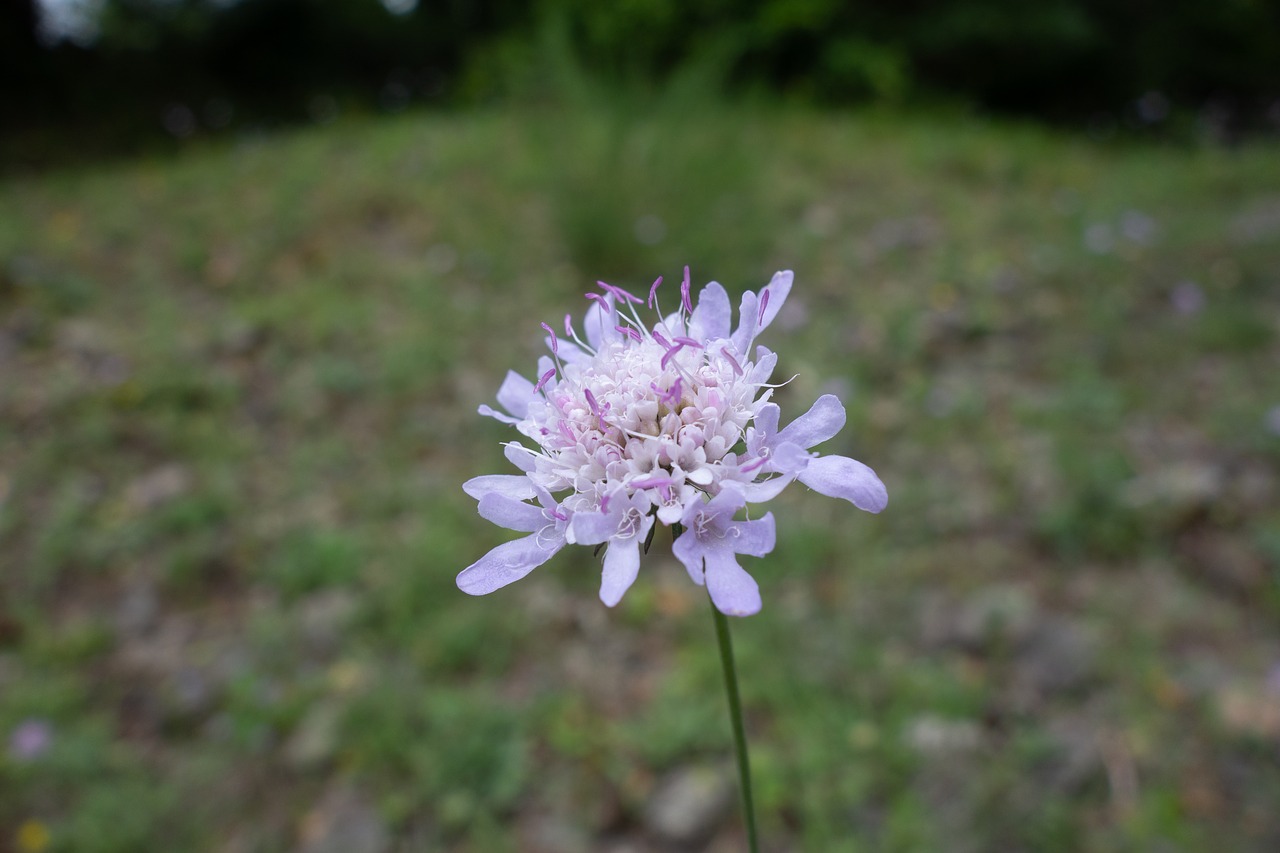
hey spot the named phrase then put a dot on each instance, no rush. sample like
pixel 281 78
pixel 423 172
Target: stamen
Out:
pixel 630 333
pixel 618 293
pixel 555 345
pixel 653 293
pixel 671 353
pixel 604 303
pixel 604 503
pixel 764 303
pixel 689 342
pixel 543 381
pixel 752 466
pixel 591 401
pixel 657 336
pixel 684 292
pixel 737 368
pixel 568 325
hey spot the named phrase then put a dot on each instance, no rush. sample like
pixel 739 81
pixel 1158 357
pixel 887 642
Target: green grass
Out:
pixel 238 402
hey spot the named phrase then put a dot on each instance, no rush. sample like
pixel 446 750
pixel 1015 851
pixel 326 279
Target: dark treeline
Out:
pixel 189 64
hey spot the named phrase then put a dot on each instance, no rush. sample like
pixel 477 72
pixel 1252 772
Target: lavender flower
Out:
pixel 669 423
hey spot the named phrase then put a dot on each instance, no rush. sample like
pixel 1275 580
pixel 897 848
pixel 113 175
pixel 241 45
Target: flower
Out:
pixel 670 423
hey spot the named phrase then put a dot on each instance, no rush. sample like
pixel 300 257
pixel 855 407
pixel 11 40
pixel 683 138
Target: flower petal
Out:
pixel 511 513
pixel 592 528
pixel 765 490
pixel 748 314
pixel 621 565
pixel 520 456
pixel 764 426
pixel 842 477
pixel 712 316
pixel 515 394
pixel 512 485
pixel 777 288
pixel 762 368
pixel 756 538
pixel 688 550
pixel 823 420
pixel 507 563
pixel 733 591
pixel 490 412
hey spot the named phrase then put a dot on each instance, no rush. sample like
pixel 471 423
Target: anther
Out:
pixel 684 292
pixel 737 368
pixel 653 292
pixel 545 378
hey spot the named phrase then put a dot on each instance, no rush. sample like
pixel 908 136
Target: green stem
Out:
pixel 739 732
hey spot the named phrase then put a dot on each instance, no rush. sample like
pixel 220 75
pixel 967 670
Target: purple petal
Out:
pixel 777 288
pixel 790 458
pixel 688 550
pixel 520 456
pixel 515 394
pixel 764 427
pixel 512 485
pixel 842 477
pixel 511 514
pixel 763 366
pixel 765 490
pixel 592 528
pixel 489 412
pixel 756 537
pixel 748 314
pixel 712 317
pixel 733 591
pixel 621 565
pixel 821 422
pixel 507 563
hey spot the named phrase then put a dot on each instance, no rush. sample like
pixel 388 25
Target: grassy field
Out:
pixel 238 401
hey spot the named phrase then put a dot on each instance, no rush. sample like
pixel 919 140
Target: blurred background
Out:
pixel 260 261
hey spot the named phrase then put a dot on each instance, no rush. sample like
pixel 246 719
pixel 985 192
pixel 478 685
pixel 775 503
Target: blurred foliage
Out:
pixel 240 396
pixel 189 65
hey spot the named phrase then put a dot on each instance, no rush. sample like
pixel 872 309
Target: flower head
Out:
pixel 631 424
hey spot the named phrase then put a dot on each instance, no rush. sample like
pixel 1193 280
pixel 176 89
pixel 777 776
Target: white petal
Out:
pixel 765 490
pixel 520 456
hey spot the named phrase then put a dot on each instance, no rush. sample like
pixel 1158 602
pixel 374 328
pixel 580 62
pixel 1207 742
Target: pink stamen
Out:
pixel 748 468
pixel 737 368
pixel 657 336
pixel 559 515
pixel 543 381
pixel 671 353
pixel 568 325
pixel 555 345
pixel 684 292
pixel 689 342
pixel 653 292
pixel 764 303
pixel 618 292
pixel 604 303
pixel 629 332
pixel 591 401
pixel 604 504
pixel 567 433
